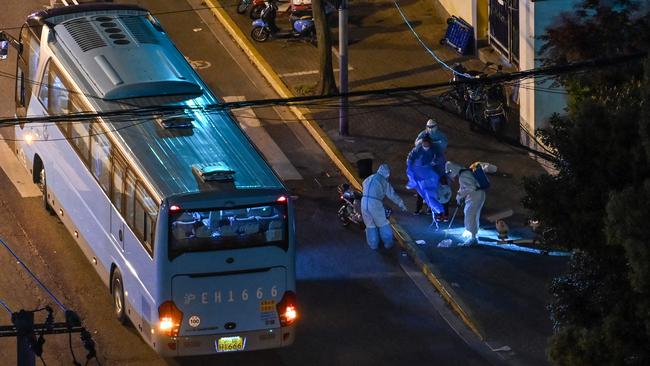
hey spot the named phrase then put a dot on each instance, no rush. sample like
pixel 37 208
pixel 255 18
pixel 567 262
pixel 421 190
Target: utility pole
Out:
pixel 24 329
pixel 343 67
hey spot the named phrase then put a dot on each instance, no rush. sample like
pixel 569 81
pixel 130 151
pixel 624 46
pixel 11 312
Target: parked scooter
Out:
pixel 481 105
pixel 301 27
pixel 350 210
pixel 256 7
pixel 243 5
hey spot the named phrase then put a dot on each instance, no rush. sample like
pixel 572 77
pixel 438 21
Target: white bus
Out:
pixel 185 222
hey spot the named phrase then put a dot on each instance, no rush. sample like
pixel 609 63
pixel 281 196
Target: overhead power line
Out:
pixel 303 100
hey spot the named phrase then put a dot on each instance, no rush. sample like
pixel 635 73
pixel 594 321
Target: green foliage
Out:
pixel 627 220
pixel 599 202
pixel 596 29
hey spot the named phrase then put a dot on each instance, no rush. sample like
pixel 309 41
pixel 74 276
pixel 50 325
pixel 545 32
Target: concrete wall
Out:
pixel 537 106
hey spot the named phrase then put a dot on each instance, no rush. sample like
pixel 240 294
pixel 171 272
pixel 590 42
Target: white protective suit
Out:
pixel 375 188
pixel 474 197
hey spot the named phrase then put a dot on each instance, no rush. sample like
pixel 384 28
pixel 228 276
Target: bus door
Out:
pixel 118 187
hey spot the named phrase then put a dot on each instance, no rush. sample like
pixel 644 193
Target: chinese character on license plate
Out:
pixel 230 344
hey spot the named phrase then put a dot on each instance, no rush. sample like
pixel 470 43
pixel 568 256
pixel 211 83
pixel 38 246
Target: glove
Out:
pixel 459 200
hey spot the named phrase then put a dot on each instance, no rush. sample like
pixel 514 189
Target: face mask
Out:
pixel 426 148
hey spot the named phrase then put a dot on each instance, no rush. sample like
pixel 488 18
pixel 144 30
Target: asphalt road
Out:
pixel 357 307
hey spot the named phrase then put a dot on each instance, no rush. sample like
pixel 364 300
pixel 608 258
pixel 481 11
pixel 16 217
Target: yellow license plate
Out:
pixel 231 344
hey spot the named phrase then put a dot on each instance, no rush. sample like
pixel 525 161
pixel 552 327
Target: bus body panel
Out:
pixel 151 276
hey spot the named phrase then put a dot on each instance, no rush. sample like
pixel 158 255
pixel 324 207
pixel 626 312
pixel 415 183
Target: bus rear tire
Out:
pixel 117 289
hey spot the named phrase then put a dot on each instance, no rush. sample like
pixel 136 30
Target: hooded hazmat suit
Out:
pixel 375 188
pixel 423 175
pixel 439 144
pixel 468 190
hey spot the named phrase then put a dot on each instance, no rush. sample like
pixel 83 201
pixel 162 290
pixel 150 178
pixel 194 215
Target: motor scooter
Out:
pixel 350 210
pixel 302 27
pixel 481 105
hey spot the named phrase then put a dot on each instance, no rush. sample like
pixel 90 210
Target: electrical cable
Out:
pixel 4 305
pixel 33 275
pixel 387 92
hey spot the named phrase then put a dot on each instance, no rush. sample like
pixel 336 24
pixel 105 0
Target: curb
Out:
pixel 276 83
pixel 341 162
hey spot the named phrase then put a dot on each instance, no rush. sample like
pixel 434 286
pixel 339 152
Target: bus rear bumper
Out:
pixel 207 344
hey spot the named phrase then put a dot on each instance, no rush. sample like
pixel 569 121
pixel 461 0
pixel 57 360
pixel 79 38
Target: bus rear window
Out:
pixel 228 228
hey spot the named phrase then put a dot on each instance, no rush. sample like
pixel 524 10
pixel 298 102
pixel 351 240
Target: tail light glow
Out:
pixel 281 199
pixel 174 208
pixel 287 309
pixel 170 318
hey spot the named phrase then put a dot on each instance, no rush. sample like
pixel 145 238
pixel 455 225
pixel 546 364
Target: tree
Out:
pixel 601 195
pixel 327 83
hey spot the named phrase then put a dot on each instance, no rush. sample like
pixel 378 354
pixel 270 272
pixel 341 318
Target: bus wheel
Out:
pixel 43 186
pixel 117 288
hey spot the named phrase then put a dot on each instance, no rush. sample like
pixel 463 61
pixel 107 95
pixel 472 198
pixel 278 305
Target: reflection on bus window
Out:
pixel 229 228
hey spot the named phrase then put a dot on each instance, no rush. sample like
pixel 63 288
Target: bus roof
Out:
pixel 146 69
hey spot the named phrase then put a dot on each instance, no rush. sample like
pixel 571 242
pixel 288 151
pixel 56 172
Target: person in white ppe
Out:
pixel 375 188
pixel 438 138
pixel 474 197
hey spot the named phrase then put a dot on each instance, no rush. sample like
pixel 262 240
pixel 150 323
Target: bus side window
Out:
pixel 44 93
pixel 144 224
pixel 100 149
pixel 117 189
pixel 80 138
pixel 59 99
pixel 27 66
pixel 129 198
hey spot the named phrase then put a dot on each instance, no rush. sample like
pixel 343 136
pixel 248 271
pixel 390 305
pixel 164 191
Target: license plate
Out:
pixel 231 344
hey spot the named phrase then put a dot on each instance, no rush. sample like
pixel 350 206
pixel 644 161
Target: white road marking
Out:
pixel 271 151
pixel 17 173
pixel 310 72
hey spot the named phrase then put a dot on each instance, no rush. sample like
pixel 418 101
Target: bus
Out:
pixel 182 218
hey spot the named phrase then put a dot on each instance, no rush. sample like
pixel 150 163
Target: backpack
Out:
pixel 479 175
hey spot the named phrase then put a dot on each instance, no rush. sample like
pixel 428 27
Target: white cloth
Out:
pixel 375 188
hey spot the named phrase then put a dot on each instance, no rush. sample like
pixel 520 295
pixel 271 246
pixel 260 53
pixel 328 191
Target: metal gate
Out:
pixel 503 32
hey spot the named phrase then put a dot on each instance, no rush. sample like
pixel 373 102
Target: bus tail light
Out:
pixel 282 199
pixel 287 309
pixel 170 318
pixel 174 208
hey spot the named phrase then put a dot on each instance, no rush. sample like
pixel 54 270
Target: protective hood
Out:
pixel 384 170
pixel 452 169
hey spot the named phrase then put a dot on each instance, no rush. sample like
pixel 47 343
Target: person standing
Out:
pixel 423 176
pixel 375 188
pixel 439 144
pixel 469 191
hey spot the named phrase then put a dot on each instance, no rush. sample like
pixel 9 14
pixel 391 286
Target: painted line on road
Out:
pixel 342 163
pixel 251 125
pixel 272 77
pixel 310 72
pixel 17 173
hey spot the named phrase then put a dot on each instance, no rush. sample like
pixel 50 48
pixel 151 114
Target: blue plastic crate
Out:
pixel 459 35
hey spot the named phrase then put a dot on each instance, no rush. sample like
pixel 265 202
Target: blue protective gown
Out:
pixel 439 144
pixel 422 169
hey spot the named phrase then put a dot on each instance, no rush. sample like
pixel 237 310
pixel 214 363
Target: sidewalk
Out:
pixel 503 293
